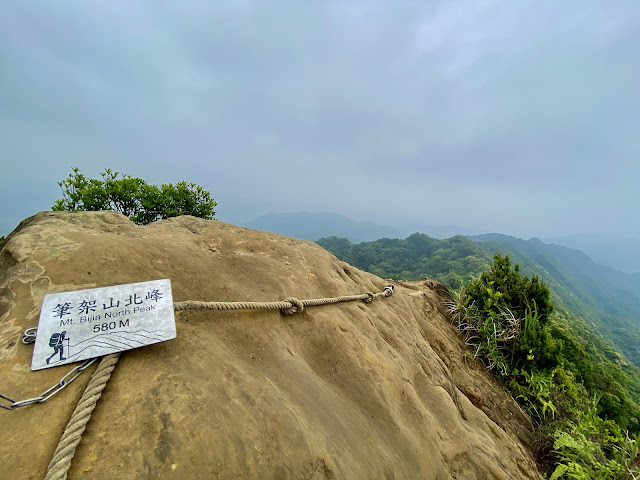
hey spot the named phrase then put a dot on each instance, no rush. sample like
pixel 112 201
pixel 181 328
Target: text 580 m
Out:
pixel 105 327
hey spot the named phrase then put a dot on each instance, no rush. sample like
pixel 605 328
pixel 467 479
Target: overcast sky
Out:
pixel 521 117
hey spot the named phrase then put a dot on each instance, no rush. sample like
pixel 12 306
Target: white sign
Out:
pixel 90 323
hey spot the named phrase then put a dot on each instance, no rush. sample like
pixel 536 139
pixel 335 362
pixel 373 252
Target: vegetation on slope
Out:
pixel 580 401
pixel 580 392
pixel 453 261
pixel 609 301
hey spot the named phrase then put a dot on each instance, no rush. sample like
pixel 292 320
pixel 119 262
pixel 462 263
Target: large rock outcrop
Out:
pixel 349 391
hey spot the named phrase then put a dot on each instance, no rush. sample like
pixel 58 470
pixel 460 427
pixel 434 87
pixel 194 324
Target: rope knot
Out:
pixel 370 297
pixel 296 306
pixel 388 290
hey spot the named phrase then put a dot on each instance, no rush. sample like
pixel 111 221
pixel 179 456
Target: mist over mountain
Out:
pixel 313 226
pixel 621 253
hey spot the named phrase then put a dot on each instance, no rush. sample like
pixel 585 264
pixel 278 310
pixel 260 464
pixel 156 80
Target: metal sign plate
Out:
pixel 74 326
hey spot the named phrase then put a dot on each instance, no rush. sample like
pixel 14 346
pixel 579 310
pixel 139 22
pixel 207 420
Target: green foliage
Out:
pixel 534 345
pixel 502 287
pixel 133 197
pixel 489 335
pixel 535 391
pixel 552 372
pixel 589 447
pixel 588 358
pixel 582 395
pixel 629 457
pixel 607 299
pixel 453 261
pixel 503 317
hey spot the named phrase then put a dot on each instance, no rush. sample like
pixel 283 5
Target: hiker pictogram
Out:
pixel 57 343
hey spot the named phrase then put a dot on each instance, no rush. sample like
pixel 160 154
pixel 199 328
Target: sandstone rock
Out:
pixel 347 391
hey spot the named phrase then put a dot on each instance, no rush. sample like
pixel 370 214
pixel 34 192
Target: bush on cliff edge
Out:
pixel 133 197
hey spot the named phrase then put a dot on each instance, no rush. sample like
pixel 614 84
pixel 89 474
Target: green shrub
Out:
pixel 501 287
pixel 503 318
pixel 133 197
pixel 589 447
pixel 552 372
pixel 490 335
pixel 534 345
pixel 535 392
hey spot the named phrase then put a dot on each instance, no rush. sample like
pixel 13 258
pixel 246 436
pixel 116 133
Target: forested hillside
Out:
pixel 608 300
pixel 452 261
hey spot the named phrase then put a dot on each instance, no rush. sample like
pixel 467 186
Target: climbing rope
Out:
pixel 288 306
pixel 61 461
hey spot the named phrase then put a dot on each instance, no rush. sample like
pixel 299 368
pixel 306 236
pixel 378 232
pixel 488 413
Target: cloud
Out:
pixel 333 105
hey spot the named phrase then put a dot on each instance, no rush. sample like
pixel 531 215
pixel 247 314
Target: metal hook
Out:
pixel 29 335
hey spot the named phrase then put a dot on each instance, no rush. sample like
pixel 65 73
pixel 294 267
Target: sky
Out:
pixel 512 116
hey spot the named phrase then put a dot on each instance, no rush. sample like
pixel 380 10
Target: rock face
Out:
pixel 348 391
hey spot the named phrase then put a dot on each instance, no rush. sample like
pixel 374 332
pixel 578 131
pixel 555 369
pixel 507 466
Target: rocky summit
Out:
pixel 381 390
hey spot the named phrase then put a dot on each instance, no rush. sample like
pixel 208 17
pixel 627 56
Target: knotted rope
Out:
pixel 61 461
pixel 288 306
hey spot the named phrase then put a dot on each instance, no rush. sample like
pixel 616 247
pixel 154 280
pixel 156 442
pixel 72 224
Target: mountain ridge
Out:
pixel 604 297
pixel 315 225
pixel 621 253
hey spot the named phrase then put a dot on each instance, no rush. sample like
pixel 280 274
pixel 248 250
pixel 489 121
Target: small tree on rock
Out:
pixel 133 197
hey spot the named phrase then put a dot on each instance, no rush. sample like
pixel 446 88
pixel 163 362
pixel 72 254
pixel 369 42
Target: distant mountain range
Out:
pixel 312 226
pixel 621 253
pixel 607 298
